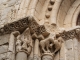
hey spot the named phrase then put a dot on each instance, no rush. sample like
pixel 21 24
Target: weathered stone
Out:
pixel 3 49
pixel 75 48
pixel 21 56
pixel 10 56
pixel 47 57
pixel 4 39
pixel 3 56
pixel 42 18
pixel 62 52
pixel 69 48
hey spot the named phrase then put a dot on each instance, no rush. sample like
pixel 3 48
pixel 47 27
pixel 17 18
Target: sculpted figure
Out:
pixel 27 46
pixel 29 49
pixel 57 44
pixel 45 44
pixel 18 44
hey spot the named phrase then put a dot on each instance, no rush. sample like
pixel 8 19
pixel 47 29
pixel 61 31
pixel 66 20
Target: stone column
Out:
pixel 36 50
pixel 11 49
pixel 21 56
pixel 31 55
pixel 22 52
pixel 47 56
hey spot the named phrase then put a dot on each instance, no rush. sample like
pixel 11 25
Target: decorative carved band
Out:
pixel 30 22
pixel 23 24
pixel 70 34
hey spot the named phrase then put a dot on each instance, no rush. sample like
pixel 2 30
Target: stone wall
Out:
pixel 13 10
pixel 4 44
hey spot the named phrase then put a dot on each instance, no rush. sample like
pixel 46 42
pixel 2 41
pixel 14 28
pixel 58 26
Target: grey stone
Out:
pixel 3 56
pixel 47 57
pixel 21 56
pixel 69 44
pixel 4 39
pixel 3 49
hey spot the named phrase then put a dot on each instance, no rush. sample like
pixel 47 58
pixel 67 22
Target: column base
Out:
pixel 47 56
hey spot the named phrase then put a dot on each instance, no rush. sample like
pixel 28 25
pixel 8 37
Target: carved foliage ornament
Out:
pixel 70 34
pixel 23 24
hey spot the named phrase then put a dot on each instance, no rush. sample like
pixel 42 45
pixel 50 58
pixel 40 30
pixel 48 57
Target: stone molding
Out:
pixel 22 24
pixel 70 34
pixel 30 22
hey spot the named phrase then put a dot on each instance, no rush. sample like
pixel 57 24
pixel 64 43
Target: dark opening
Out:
pixel 78 20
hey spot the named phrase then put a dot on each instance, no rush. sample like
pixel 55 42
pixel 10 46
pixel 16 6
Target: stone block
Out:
pixel 75 48
pixel 62 52
pixel 3 49
pixel 69 50
pixel 3 56
pixel 4 39
pixel 69 44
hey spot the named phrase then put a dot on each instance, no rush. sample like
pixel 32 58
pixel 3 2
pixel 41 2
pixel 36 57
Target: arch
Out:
pixel 63 9
pixel 74 19
pixel 71 17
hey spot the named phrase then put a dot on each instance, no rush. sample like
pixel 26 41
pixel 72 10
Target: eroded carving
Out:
pixel 49 45
pixel 57 44
pixel 27 22
pixel 45 44
pixel 26 46
pixel 18 44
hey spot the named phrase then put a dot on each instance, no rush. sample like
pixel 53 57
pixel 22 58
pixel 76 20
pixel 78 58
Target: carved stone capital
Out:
pixel 21 24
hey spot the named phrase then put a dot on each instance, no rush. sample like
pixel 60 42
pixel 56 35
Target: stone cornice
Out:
pixel 22 24
pixel 30 22
pixel 71 33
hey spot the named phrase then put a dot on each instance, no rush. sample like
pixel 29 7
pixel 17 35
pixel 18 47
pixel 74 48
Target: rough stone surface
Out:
pixel 4 39
pixel 39 30
pixel 3 49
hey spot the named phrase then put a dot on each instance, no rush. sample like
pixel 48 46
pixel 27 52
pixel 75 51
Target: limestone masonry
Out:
pixel 39 29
